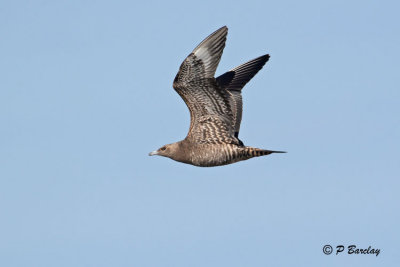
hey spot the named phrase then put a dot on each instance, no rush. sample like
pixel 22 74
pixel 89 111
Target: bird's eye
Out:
pixel 163 148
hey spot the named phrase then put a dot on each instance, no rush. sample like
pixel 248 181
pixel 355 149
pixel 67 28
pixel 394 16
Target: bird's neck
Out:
pixel 182 152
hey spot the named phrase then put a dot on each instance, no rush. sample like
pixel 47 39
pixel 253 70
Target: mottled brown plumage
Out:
pixel 215 106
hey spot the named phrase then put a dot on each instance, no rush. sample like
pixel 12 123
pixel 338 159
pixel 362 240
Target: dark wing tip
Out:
pixel 236 79
pixel 209 51
pixel 214 38
pixel 267 56
pixel 264 59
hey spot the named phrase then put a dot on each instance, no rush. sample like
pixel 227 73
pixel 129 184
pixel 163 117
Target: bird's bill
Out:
pixel 153 153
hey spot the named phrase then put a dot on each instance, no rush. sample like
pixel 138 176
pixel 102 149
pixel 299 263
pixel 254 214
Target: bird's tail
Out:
pixel 258 152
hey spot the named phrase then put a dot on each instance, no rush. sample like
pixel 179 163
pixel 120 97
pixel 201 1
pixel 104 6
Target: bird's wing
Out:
pixel 234 80
pixel 211 117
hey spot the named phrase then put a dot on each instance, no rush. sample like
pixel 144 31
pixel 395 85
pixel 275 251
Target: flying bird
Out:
pixel 215 106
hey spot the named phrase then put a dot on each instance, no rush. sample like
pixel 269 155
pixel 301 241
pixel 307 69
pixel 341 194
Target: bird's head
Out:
pixel 168 151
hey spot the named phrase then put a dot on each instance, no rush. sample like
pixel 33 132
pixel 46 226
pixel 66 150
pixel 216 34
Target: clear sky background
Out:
pixel 86 93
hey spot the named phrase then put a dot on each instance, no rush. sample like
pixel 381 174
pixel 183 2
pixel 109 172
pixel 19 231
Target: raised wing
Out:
pixel 211 117
pixel 234 80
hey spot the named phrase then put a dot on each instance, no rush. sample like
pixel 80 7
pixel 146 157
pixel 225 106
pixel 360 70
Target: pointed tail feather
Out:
pixel 257 152
pixel 274 151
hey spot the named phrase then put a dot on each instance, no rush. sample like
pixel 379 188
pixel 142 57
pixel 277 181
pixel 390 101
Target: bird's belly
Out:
pixel 214 155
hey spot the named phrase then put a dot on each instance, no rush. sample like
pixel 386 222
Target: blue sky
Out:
pixel 86 92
